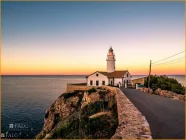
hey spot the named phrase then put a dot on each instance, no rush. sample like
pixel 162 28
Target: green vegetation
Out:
pixel 165 83
pixel 67 95
pixel 79 125
pixel 91 90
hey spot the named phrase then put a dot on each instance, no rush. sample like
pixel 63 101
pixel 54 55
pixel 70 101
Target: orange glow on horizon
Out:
pixel 83 70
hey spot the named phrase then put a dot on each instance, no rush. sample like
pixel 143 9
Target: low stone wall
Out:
pixel 132 124
pixel 71 87
pixel 164 93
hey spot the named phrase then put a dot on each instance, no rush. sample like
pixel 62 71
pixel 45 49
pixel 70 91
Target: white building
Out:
pixel 112 76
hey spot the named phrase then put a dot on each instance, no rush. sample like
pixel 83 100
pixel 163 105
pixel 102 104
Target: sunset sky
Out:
pixel 74 37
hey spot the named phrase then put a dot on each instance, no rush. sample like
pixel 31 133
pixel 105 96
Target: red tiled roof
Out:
pixel 115 74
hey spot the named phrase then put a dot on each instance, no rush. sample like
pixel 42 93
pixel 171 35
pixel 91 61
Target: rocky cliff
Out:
pixel 81 114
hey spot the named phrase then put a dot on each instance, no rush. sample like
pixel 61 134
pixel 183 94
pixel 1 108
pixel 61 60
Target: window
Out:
pixel 90 82
pixel 97 74
pixel 127 81
pixel 103 82
pixel 97 83
pixel 127 75
pixel 111 82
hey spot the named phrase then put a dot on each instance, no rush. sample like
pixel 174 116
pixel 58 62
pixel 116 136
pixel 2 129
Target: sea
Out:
pixel 26 98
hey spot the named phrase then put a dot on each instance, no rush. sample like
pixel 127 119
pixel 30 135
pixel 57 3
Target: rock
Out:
pixel 60 109
pixel 146 129
pixel 175 98
pixel 164 93
pixel 182 97
pixel 146 90
pixel 146 136
pixel 157 91
pixel 150 91
pixel 48 136
pixel 117 137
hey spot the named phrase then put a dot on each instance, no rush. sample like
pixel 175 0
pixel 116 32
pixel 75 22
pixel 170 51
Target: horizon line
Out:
pixel 71 74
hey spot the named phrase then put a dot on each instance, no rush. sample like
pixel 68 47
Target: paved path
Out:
pixel 165 116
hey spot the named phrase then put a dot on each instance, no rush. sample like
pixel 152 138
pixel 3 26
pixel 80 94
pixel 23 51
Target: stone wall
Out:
pixel 132 124
pixel 72 87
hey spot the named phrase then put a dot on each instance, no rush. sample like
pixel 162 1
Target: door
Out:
pixel 97 83
pixel 103 82
pixel 119 84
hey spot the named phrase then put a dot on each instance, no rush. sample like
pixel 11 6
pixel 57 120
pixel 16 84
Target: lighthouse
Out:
pixel 110 61
pixel 111 77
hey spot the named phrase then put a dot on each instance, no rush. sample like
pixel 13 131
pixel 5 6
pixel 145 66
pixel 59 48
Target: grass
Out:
pixel 100 114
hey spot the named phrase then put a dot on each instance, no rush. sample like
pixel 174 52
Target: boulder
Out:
pixel 157 91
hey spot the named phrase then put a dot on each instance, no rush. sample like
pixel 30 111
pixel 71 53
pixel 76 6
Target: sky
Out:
pixel 73 38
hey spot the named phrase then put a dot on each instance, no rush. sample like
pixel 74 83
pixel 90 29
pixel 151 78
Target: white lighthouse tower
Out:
pixel 110 60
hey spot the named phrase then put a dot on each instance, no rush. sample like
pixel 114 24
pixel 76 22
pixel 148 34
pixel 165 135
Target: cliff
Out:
pixel 94 112
pixel 81 114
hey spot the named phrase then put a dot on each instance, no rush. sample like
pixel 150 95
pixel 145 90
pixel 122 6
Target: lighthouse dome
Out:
pixel 110 50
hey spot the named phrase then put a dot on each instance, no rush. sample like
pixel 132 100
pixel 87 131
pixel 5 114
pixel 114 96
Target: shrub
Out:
pixel 91 109
pixel 67 95
pixel 91 90
pixel 53 109
pixel 165 83
pixel 60 131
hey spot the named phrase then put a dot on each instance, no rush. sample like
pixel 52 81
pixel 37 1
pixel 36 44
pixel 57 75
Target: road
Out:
pixel 165 116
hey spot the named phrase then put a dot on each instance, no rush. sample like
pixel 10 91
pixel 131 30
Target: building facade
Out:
pixel 138 81
pixel 111 76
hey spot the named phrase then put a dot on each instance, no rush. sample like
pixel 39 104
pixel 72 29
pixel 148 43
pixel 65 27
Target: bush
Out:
pixel 67 95
pixel 91 90
pixel 91 108
pixel 102 127
pixel 165 83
